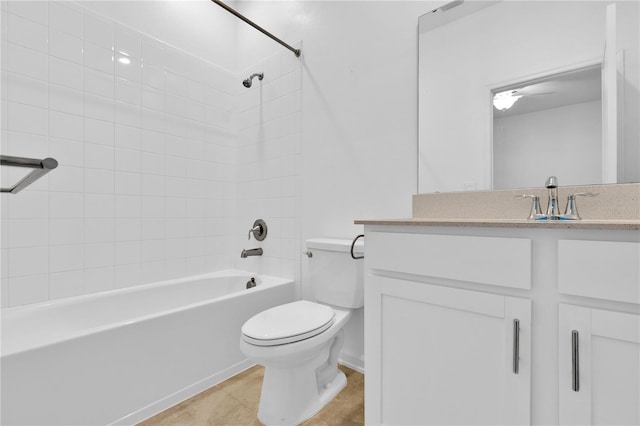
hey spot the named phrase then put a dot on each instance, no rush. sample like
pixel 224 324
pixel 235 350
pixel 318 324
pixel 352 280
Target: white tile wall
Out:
pixel 144 135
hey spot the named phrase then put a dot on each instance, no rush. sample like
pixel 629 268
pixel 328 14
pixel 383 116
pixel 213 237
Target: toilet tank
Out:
pixel 335 277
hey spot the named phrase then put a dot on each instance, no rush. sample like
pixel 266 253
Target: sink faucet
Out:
pixel 553 212
pixel 251 252
pixel 551 184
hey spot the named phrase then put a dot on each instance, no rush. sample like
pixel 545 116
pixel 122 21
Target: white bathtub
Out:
pixel 122 356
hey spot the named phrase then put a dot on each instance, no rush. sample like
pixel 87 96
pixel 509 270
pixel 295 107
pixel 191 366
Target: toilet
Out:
pixel 298 343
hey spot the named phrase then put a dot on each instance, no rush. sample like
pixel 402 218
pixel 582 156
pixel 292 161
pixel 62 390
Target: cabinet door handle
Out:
pixel 516 346
pixel 575 362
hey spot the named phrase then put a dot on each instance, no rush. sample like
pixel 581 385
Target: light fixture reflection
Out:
pixel 505 100
pixel 124 60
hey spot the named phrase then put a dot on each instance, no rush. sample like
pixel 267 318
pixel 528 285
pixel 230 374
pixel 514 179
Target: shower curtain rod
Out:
pixel 256 26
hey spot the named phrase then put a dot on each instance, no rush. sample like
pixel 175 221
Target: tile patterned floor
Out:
pixel 235 402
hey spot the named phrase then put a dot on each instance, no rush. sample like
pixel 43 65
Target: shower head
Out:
pixel 247 82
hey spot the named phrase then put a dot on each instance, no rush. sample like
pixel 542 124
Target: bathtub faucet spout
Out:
pixel 251 252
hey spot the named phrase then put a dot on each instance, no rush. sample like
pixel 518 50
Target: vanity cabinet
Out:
pixel 471 325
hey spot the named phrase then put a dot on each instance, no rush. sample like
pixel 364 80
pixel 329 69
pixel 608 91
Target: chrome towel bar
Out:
pixel 41 168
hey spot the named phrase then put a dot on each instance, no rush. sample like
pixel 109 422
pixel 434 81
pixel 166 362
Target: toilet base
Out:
pixel 330 391
pixel 292 394
pixel 271 417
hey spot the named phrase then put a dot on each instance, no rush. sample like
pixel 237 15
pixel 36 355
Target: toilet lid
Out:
pixel 287 323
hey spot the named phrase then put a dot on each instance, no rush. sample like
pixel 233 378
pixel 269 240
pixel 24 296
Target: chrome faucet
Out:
pixel 553 212
pixel 251 252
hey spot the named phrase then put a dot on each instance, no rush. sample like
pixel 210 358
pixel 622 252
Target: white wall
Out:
pixel 565 142
pixel 359 124
pixel 146 184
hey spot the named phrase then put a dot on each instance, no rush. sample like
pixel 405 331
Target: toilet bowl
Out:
pixel 299 343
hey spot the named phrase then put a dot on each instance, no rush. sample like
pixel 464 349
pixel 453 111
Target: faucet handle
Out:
pixel 535 213
pixel 584 194
pixel 259 230
pixel 252 230
pixel 571 211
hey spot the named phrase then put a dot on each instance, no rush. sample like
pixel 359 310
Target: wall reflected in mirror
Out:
pixel 547 125
pixel 470 52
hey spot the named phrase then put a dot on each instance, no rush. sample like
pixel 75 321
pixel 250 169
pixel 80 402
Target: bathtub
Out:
pixel 122 356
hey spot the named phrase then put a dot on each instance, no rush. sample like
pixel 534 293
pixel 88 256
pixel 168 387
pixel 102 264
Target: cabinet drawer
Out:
pixel 497 261
pixel 600 269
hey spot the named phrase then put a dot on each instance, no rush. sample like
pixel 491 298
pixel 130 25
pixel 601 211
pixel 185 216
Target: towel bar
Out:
pixel 42 167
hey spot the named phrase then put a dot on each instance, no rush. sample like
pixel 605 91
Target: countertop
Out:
pixel 509 223
pixel 617 207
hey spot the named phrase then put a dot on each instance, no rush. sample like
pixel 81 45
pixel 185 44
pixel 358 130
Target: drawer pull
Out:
pixel 516 346
pixel 575 362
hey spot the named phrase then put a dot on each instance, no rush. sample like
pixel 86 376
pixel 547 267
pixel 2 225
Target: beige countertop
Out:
pixel 509 223
pixel 616 206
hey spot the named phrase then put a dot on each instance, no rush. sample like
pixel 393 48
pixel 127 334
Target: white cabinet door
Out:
pixel 599 366
pixel 441 355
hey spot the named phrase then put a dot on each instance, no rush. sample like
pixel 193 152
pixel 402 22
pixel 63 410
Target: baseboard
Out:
pixel 354 363
pixel 181 395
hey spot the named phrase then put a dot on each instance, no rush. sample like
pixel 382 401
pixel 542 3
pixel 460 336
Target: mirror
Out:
pixel 559 114
pixel 575 66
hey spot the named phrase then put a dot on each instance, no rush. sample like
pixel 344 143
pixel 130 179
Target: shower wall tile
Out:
pixel 66 231
pixel 65 17
pixel 98 30
pixel 65 126
pixel 27 62
pixel 65 46
pixel 66 73
pixel 26 33
pixel 65 258
pixel 100 279
pixel 26 145
pixel 127 41
pixel 27 289
pixel 62 205
pixel 26 119
pixel 66 284
pixel 98 58
pixel 65 99
pixel 145 137
pixel 99 230
pixel 37 11
pixel 70 179
pixel 98 132
pixel 130 229
pixel 269 147
pixel 98 82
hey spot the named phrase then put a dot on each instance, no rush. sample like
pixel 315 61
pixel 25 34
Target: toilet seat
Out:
pixel 287 323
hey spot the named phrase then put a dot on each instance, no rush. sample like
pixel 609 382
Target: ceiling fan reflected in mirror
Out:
pixel 506 99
